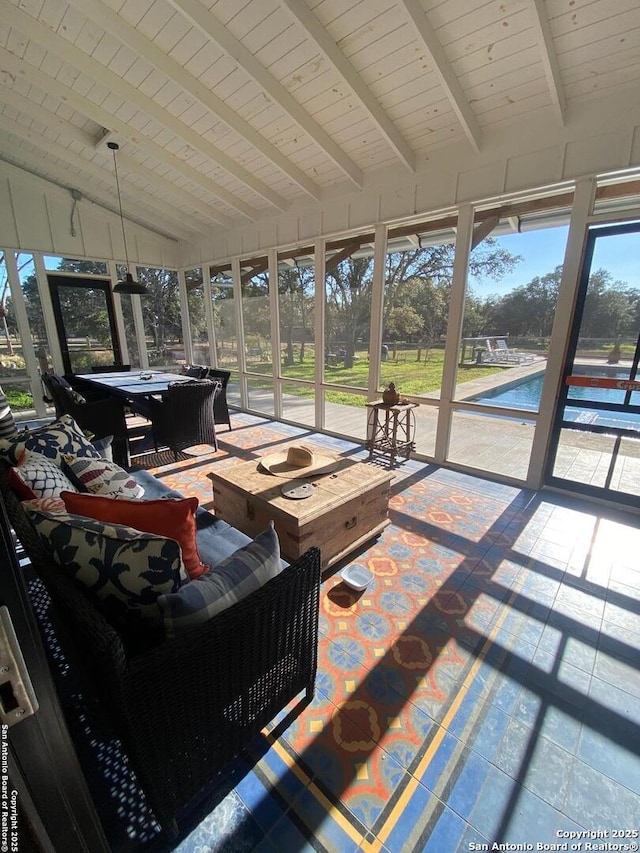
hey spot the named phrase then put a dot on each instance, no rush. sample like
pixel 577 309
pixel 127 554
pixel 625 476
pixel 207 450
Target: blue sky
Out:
pixel 543 250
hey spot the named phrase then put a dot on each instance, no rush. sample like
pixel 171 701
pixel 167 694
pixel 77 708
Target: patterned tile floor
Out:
pixel 485 687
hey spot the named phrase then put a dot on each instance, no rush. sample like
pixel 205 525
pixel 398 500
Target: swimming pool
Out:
pixel 525 395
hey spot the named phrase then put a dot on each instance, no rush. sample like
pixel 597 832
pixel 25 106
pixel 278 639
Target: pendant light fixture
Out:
pixel 129 285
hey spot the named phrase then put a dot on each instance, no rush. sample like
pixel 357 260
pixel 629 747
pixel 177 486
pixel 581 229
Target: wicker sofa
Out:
pixel 184 708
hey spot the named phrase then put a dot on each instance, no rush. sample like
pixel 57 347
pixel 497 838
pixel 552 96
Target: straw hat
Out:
pixel 299 461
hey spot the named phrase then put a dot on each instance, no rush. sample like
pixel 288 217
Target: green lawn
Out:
pixel 18 399
pixel 409 375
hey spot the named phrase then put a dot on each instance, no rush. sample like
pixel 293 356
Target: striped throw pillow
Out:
pixel 8 426
pixel 245 571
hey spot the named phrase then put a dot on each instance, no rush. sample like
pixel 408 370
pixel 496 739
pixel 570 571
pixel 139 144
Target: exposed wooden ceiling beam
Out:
pixel 444 72
pixel 213 30
pixel 72 133
pixel 145 48
pixel 69 53
pixel 339 257
pixel 73 99
pixel 258 267
pixel 44 116
pixel 548 57
pixel 318 34
pixel 153 219
pixel 483 229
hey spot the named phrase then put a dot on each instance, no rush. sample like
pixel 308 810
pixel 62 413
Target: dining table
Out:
pixel 134 388
pixel 134 384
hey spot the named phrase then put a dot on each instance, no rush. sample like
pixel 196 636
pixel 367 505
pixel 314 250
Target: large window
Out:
pixel 161 315
pixel 348 287
pixel 416 308
pixel 510 304
pixel 296 310
pixel 197 316
pixel 256 318
pixel 13 372
pixel 224 318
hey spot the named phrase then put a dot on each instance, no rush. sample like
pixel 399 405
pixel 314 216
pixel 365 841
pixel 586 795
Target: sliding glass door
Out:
pixel 85 322
pixel 596 438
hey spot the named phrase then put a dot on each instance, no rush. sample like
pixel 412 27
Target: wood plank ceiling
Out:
pixel 232 110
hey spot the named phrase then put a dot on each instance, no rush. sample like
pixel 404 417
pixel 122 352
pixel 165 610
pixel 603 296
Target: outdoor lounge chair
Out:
pixel 500 353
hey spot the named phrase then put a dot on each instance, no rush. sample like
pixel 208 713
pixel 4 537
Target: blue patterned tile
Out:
pixel 529 818
pixel 548 685
pixel 621 704
pixel 447 833
pixel 406 829
pixel 286 835
pixel 488 732
pixel 322 826
pixel 547 772
pixel 562 726
pixel 263 803
pixel 444 754
pixel 459 790
pixel 619 672
pixel 607 803
pixel 492 803
pixel 619 762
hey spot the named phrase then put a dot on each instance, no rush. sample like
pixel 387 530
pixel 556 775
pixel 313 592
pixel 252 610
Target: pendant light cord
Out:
pixel 114 147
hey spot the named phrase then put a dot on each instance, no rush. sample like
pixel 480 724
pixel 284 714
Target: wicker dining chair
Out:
pixel 220 407
pixel 101 417
pixel 183 417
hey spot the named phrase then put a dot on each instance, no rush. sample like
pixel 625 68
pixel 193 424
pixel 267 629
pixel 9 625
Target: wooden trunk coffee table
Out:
pixel 346 508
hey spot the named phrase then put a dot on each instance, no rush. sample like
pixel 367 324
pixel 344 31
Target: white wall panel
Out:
pixel 8 231
pixel 287 230
pixel 435 190
pixel 308 225
pixel 35 215
pixel 483 181
pixel 364 209
pixel 59 213
pixel 32 220
pixel 587 156
pixel 399 203
pixel 544 166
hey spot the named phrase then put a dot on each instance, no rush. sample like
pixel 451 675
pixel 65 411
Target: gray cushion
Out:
pixel 242 573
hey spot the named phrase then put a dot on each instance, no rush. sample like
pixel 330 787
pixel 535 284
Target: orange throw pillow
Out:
pixel 170 517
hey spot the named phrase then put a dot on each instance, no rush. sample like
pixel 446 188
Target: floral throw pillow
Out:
pixel 53 441
pixel 123 570
pixel 101 477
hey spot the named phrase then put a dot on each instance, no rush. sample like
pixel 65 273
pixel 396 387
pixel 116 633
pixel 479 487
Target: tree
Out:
pixel 418 277
pixel 403 322
pixel 528 309
pixel 295 290
pixel 610 307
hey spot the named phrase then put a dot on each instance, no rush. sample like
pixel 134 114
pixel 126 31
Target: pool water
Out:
pixel 526 394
